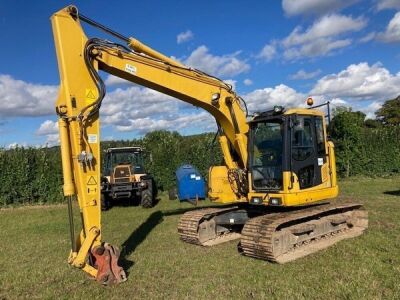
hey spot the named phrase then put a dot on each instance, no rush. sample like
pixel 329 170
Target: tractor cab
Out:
pixel 123 164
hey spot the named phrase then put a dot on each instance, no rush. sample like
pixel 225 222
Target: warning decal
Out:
pixel 90 96
pixel 91 181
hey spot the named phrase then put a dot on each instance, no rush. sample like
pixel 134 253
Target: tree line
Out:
pixel 363 147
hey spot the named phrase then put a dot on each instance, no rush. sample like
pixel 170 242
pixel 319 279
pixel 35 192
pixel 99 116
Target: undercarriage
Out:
pixel 275 234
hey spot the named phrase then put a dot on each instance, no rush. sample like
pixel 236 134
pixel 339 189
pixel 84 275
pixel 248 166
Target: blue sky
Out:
pixel 274 52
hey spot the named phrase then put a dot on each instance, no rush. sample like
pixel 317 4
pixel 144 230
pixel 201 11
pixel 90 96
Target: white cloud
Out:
pixel 135 102
pixel 360 86
pixel 268 52
pixel 339 102
pixel 141 110
pixel 319 47
pixel 322 37
pixel 316 7
pixel 392 32
pixel 19 98
pixel 247 82
pixel 47 127
pixel 387 4
pixel 369 37
pixel 202 121
pixel 370 109
pixel 263 99
pixel 184 37
pixel 226 65
pixel 360 82
pixel 303 75
pixel 52 140
pixel 325 27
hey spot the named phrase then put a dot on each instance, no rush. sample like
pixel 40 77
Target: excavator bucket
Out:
pixel 106 259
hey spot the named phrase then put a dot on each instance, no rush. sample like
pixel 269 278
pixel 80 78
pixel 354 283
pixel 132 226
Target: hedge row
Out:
pixel 364 147
pixel 376 152
pixel 30 175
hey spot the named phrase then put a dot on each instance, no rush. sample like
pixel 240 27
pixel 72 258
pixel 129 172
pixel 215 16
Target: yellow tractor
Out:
pixel 277 177
pixel 124 178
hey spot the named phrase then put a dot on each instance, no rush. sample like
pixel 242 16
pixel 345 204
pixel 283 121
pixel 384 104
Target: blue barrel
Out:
pixel 190 183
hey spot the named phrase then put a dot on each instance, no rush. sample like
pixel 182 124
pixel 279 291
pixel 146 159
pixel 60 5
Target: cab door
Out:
pixel 305 157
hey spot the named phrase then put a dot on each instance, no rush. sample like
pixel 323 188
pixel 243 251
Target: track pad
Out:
pixel 106 262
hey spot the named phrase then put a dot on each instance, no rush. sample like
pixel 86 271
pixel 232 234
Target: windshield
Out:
pixel 135 159
pixel 266 158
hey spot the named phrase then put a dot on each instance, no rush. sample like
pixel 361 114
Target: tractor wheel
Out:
pixel 105 202
pixel 147 198
pixel 172 194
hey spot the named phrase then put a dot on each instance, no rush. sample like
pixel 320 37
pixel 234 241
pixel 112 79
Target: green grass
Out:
pixel 34 246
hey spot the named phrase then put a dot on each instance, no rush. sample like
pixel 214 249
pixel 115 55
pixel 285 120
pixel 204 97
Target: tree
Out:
pixel 389 113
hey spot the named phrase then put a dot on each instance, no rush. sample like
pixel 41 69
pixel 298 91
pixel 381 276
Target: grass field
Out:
pixel 34 246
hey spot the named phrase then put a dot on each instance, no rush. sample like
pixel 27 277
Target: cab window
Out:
pixel 302 139
pixel 319 130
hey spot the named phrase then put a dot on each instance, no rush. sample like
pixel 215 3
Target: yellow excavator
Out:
pixel 278 173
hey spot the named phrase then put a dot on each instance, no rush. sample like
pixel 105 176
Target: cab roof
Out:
pixel 292 111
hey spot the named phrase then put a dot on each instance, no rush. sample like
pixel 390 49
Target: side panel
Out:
pixel 219 188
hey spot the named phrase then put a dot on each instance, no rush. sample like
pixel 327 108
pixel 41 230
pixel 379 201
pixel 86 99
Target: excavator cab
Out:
pixel 292 143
